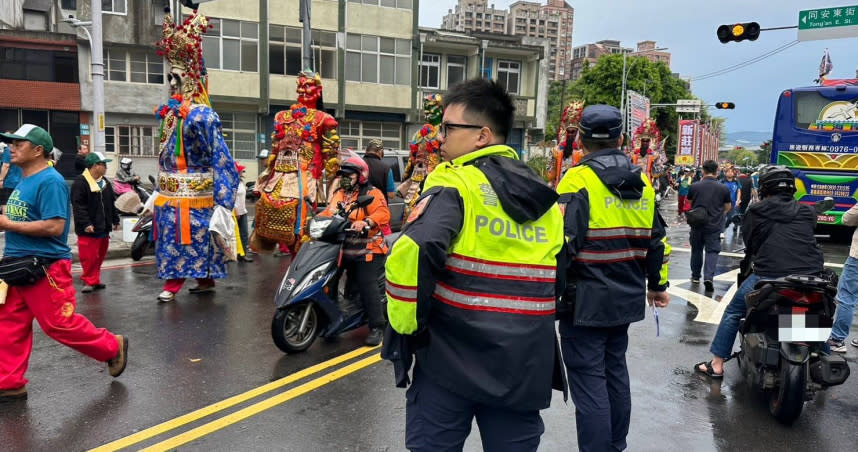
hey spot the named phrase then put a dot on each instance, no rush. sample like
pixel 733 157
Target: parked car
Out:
pixel 398 160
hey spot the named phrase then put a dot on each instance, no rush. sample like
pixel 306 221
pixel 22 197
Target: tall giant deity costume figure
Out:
pixel 305 147
pixel 566 154
pixel 647 139
pixel 197 177
pixel 424 156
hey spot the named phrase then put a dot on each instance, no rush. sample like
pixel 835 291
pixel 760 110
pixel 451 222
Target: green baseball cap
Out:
pixel 95 157
pixel 34 134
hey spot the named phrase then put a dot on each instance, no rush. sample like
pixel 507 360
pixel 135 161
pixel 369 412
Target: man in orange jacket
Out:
pixel 363 254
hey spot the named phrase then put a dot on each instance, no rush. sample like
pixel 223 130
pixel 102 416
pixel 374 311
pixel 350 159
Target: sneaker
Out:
pixel 99 286
pixel 837 346
pixel 245 258
pixel 202 288
pixel 11 395
pixel 854 342
pixel 117 365
pixel 87 289
pixel 709 286
pixel 374 338
pixel 695 280
pixel 166 297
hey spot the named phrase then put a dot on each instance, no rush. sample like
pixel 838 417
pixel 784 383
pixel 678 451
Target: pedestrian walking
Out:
pixel 617 254
pixel 847 289
pixel 95 216
pixel 80 158
pixel 471 286
pixel 380 173
pixel 682 193
pixel 241 215
pixel 714 199
pixel 37 226
pixel 733 186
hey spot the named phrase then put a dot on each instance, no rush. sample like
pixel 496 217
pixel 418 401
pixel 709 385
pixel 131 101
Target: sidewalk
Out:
pixel 116 249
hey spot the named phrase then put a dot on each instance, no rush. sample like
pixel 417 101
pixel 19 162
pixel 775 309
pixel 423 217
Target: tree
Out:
pixel 602 84
pixel 742 157
pixel 764 155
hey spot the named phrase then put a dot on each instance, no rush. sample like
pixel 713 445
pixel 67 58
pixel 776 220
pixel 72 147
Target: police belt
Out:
pixel 186 185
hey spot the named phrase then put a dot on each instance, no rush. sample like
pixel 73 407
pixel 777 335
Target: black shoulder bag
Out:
pixel 23 271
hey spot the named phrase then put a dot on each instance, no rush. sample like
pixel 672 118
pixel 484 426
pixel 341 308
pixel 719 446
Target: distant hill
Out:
pixel 747 139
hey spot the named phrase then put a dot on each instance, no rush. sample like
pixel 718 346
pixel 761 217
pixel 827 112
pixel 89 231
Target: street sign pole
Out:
pixel 828 23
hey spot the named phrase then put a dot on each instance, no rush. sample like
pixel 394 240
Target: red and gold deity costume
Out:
pixel 646 131
pixel 424 153
pixel 304 151
pixel 568 124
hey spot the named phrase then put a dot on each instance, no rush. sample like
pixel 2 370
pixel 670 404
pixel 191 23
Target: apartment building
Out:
pixel 649 50
pixel 553 22
pixel 475 15
pixel 39 73
pixel 517 62
pixel 588 54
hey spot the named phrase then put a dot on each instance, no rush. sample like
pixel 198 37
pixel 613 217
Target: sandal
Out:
pixel 709 372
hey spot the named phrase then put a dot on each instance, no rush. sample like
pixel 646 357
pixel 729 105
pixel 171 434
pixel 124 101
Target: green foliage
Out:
pixel 738 155
pixel 539 164
pixel 602 84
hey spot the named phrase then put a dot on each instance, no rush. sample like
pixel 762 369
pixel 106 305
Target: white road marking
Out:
pixel 742 255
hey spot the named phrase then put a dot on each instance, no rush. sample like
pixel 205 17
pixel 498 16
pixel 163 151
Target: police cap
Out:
pixel 600 122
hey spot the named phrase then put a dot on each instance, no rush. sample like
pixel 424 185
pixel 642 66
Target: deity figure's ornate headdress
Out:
pixel 433 109
pixel 569 119
pixel 309 89
pixel 182 46
pixel 648 130
pixel 428 134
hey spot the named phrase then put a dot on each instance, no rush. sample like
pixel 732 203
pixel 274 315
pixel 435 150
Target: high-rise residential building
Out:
pixel 649 50
pixel 588 54
pixel 552 21
pixel 475 15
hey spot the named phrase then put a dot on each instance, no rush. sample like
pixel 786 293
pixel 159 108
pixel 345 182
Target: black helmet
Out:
pixel 776 179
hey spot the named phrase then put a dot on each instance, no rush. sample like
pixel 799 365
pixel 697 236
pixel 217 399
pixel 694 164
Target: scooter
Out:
pixel 306 301
pixel 143 228
pixel 142 193
pixel 787 361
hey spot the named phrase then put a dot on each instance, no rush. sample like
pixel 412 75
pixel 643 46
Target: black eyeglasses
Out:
pixel 446 126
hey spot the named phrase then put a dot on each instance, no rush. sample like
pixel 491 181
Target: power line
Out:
pixel 747 63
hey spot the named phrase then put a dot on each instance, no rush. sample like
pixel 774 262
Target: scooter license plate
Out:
pixel 803 327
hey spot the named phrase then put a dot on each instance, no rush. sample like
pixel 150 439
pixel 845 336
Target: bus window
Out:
pixel 815 112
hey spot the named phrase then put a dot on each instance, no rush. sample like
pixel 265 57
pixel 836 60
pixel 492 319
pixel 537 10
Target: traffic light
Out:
pixel 725 105
pixel 739 32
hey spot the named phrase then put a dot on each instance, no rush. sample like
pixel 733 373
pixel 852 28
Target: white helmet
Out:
pixel 125 163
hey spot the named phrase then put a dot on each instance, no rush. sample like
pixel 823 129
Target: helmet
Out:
pixel 125 163
pixel 354 164
pixel 776 179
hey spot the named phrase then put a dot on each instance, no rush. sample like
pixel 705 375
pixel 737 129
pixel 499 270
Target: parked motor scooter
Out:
pixel 788 361
pixel 143 228
pixel 306 302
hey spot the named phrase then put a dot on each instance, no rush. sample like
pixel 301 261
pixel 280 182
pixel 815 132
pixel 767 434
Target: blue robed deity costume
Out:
pixel 190 185
pixel 197 173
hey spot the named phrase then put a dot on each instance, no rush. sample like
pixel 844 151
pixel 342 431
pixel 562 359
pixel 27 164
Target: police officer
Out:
pixel 616 245
pixel 471 286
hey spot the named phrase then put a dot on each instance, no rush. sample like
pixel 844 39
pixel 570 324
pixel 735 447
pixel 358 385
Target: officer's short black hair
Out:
pixel 710 167
pixel 486 99
pixel 596 145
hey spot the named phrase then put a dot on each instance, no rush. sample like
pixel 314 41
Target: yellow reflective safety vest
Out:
pixel 618 245
pixel 487 298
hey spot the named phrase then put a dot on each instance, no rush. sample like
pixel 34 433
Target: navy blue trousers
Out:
pixel 439 420
pixel 595 361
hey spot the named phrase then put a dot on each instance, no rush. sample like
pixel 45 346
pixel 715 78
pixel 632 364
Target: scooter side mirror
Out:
pixel 152 179
pixel 365 200
pixel 824 205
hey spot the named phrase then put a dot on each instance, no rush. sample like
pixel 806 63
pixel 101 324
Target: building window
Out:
pixel 239 132
pixel 136 66
pixel 456 69
pixel 114 6
pixel 509 75
pixel 373 59
pixel 131 140
pixel 357 134
pixel 285 51
pixel 430 71
pixel 403 4
pixel 231 45
pixel 68 4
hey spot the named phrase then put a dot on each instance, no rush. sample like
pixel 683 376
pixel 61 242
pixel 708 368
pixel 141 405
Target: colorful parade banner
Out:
pixel 686 147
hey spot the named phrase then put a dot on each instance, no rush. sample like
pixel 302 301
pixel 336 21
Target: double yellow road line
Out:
pixel 246 412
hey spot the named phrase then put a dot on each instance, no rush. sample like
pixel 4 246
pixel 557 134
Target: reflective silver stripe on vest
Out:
pixel 643 233
pixel 401 292
pixel 488 302
pixel 489 269
pixel 611 256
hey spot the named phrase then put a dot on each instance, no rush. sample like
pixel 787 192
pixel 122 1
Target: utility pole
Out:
pixel 97 78
pixel 306 50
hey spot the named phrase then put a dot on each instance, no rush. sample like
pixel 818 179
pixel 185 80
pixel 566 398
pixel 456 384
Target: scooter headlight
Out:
pixel 317 227
pixel 312 277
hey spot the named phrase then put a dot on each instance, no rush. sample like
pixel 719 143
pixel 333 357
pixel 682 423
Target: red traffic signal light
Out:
pixel 739 32
pixel 725 105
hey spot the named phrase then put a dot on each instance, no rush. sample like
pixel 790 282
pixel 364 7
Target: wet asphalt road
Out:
pixel 206 349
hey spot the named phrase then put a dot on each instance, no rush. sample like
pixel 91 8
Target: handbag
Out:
pixel 23 271
pixel 696 217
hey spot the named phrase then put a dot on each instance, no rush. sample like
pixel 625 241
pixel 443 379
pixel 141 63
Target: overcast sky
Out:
pixel 687 28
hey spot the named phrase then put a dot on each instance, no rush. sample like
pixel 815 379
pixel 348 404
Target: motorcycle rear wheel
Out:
pixel 285 325
pixel 787 400
pixel 138 248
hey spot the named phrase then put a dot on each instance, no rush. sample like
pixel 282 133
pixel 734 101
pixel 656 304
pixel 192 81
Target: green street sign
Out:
pixel 828 23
